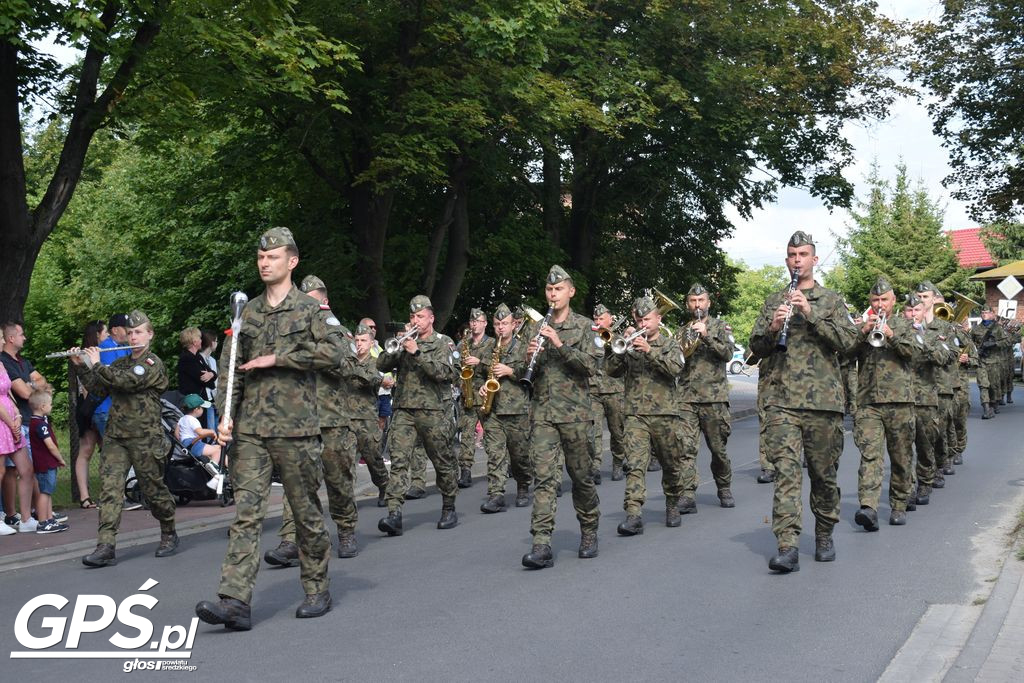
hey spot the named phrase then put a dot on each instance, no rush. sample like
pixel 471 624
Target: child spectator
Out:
pixel 46 460
pixel 191 433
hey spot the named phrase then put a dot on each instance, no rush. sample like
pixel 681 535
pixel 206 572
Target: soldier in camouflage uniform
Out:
pixel 426 366
pixel 476 346
pixel 946 376
pixel 562 416
pixel 804 401
pixel 704 395
pixel 885 408
pixel 507 425
pixel 339 441
pixel 282 342
pixel 606 395
pixel 767 475
pixel 967 356
pixel 361 388
pixel 651 367
pixel 988 336
pixel 134 437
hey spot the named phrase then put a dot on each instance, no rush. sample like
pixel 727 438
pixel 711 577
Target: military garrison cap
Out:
pixel 137 318
pixel 277 237
pixel 363 329
pixel 557 274
pixel 987 309
pixel 926 286
pixel 696 290
pixel 644 305
pixel 476 314
pixel 800 238
pixel 419 302
pixel 881 286
pixel 912 300
pixel 600 309
pixel 311 283
pixel 501 312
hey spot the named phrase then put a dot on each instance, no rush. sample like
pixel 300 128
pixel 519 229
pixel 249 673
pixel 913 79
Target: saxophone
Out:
pixel 467 375
pixel 492 386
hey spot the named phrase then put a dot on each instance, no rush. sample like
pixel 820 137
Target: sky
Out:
pixel 905 135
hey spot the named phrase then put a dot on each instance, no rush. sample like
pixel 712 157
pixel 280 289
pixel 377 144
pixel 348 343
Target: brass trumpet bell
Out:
pixel 665 304
pixel 943 311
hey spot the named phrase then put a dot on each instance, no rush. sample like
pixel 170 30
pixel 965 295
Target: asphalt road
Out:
pixel 692 603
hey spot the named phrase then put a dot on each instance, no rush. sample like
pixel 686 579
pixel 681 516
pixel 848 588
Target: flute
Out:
pixel 783 342
pixel 81 352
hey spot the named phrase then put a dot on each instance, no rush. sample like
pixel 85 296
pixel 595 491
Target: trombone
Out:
pixel 394 345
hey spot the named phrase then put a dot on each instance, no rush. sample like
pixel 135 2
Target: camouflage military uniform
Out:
pixel 507 426
pixel 926 406
pixel 134 438
pixel 422 403
pixel 562 417
pixel 763 372
pixel 849 371
pixel 946 376
pixel 465 447
pixel 276 424
pixel 652 421
pixel 961 402
pixel 704 394
pixel 360 382
pixel 804 403
pixel 988 341
pixel 606 396
pixel 885 415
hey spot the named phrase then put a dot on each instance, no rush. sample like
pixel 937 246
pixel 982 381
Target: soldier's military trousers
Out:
pixel 297 459
pixel 610 408
pixel 849 375
pixel 418 466
pixel 367 434
pixel 660 436
pixel 943 442
pixel 988 381
pixel 961 407
pixel 548 442
pixel 816 435
pixel 762 437
pixel 879 427
pixel 507 444
pixel 465 446
pixel 434 428
pixel 339 447
pixel 926 433
pixel 146 454
pixel 714 421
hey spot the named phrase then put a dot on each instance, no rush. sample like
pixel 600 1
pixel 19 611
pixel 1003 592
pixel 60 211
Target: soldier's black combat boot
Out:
pixel 315 605
pixel 672 516
pixel 633 526
pixel 986 411
pixel 948 469
pixel 415 493
pixel 687 506
pixel 1009 397
pixel 286 554
pixel 654 465
pixel 824 548
pixel 558 490
pixel 725 498
pixel 1001 402
pixel 493 504
pixel 392 524
pixel 465 478
pixel 168 544
pixel 912 500
pixel 867 518
pixel 958 459
pixel 924 495
pixel 539 557
pixel 596 477
pixel 616 472
pixel 381 491
pixel 788 560
pixel 588 545
pixel 939 482
pixel 103 556
pixel 347 544
pixel 448 517
pixel 897 518
pixel 766 477
pixel 522 495
pixel 995 407
pixel 234 614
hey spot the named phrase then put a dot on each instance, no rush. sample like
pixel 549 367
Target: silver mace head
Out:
pixel 238 302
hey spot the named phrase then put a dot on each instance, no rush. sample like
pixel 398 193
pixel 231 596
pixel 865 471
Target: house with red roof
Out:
pixel 970 250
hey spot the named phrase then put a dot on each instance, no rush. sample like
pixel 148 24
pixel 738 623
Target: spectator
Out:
pixel 46 461
pixel 89 425
pixel 24 380
pixel 194 375
pixel 10 433
pixel 208 351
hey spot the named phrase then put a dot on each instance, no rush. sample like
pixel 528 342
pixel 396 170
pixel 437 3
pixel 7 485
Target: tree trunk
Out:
pixel 370 215
pixel 552 192
pixel 437 241
pixel 457 256
pixel 586 186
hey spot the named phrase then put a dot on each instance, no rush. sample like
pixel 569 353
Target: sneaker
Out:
pixel 131 505
pixel 6 530
pixel 215 482
pixel 29 526
pixel 51 526
pixel 60 517
pixel 13 519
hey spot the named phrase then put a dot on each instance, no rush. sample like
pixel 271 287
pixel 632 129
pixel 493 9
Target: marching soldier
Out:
pixel 988 337
pixel 885 408
pixel 704 392
pixel 945 376
pixel 651 367
pixel 767 475
pixel 283 340
pixel 339 443
pixel 967 356
pixel 562 415
pixel 507 423
pixel 475 346
pixel 426 367
pixel 804 401
pixel 134 437
pixel 607 396
pixel 360 390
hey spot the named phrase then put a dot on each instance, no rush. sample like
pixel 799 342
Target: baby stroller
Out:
pixel 185 474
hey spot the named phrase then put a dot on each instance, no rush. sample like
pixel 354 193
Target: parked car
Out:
pixel 735 364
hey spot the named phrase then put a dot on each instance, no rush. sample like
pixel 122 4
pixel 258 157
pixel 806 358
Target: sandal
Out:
pixel 87 504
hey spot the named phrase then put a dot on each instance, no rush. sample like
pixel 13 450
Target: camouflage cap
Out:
pixel 311 283
pixel 557 274
pixel 881 286
pixel 801 238
pixel 363 329
pixel 911 300
pixel 137 318
pixel 501 312
pixel 476 314
pixel 600 309
pixel 696 290
pixel 419 302
pixel 926 286
pixel 277 237
pixel 644 305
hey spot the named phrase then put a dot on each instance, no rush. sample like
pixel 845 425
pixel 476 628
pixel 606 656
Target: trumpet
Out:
pixel 81 352
pixel 621 344
pixel 606 334
pixel 394 345
pixel 876 337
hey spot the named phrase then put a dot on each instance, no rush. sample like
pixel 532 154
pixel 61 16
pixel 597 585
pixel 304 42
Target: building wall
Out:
pixel 993 295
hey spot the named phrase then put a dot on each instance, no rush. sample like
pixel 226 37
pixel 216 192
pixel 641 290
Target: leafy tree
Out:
pixel 753 287
pixel 1004 241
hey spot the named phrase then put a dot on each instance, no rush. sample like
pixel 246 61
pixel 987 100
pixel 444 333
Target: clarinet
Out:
pixel 783 342
pixel 527 380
